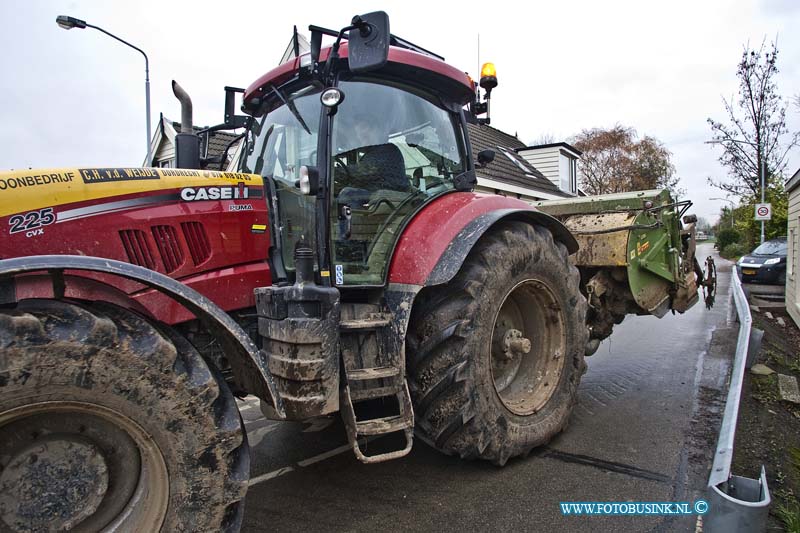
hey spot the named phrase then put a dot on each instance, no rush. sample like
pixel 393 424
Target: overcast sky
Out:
pixel 77 97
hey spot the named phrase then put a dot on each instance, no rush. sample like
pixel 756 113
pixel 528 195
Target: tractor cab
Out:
pixel 352 141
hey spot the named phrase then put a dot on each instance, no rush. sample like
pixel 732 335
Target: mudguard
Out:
pixel 436 242
pixel 248 363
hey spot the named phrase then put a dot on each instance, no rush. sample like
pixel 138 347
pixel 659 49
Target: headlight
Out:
pixel 739 262
pixel 331 97
pixel 772 261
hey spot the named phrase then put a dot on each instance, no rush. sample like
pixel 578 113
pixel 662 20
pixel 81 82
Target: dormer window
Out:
pixel 557 161
pixel 569 181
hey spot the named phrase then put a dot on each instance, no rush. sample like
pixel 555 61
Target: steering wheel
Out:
pixel 340 163
pixel 380 201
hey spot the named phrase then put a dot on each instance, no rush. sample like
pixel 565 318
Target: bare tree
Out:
pixel 756 125
pixel 544 138
pixel 614 160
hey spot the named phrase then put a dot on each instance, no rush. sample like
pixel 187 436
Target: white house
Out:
pixel 509 174
pixel 557 161
pixel 212 148
pixel 793 255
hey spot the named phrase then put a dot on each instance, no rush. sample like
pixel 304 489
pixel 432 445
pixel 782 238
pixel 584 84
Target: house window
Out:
pixel 165 163
pixel 573 175
pixel 792 255
pixel 568 172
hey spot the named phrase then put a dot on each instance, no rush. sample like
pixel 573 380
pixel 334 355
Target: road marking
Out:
pixel 255 436
pixel 256 423
pixel 325 455
pixel 308 462
pixel 248 402
pixel 270 475
pixel 318 424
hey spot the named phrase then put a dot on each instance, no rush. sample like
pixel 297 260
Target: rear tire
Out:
pixel 121 420
pixel 477 393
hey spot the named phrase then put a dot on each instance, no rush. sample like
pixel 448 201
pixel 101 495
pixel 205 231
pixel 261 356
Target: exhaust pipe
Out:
pixel 186 107
pixel 187 143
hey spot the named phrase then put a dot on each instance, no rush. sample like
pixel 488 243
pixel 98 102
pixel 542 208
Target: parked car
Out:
pixel 765 264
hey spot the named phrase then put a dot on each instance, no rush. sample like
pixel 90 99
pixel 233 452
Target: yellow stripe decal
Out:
pixel 27 190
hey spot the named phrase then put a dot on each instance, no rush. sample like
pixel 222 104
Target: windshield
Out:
pixel 392 151
pixel 282 139
pixel 777 247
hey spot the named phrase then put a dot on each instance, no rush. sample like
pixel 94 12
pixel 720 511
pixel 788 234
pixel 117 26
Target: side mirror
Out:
pixel 485 157
pixel 231 118
pixel 368 42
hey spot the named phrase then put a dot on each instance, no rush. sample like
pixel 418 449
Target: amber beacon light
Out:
pixel 488 76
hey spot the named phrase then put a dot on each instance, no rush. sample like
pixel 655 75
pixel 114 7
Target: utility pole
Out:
pixel 763 173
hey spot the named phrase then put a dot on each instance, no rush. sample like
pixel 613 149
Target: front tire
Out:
pixel 121 421
pixel 495 355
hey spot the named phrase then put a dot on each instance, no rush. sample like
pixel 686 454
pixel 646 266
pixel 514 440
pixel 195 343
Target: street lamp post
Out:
pixel 732 206
pixel 762 171
pixel 68 23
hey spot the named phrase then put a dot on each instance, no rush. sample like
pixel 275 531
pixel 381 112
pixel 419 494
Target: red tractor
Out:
pixel 347 267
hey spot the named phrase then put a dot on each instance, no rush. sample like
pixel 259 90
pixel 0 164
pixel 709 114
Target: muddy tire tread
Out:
pixel 441 377
pixel 196 413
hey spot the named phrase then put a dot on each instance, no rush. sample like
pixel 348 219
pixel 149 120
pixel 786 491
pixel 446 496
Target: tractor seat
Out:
pixel 382 167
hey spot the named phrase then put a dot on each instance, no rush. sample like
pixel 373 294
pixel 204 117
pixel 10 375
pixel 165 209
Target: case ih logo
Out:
pixel 239 192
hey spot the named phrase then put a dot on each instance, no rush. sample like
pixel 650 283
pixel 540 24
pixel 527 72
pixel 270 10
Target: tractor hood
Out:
pixel 206 228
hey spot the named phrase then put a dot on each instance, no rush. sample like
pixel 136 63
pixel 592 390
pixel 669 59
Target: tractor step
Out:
pixel 373 322
pixel 374 398
pixel 382 425
pixel 378 372
pixel 373 393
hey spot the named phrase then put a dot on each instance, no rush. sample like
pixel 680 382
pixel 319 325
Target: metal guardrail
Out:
pixel 735 503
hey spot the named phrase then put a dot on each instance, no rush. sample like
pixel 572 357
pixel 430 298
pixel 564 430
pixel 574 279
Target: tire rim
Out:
pixel 528 347
pixel 79 466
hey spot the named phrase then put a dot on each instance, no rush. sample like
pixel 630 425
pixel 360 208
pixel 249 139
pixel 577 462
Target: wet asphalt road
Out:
pixel 644 430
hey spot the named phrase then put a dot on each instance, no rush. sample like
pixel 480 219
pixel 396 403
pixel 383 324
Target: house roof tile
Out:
pixel 217 142
pixel 508 166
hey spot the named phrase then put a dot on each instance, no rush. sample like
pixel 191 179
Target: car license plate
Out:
pixel 748 271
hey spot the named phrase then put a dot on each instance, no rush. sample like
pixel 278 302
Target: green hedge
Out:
pixel 726 237
pixel 733 250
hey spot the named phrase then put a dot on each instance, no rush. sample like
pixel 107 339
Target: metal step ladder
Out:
pixel 384 381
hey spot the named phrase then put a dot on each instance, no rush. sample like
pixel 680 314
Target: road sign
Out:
pixel 763 211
